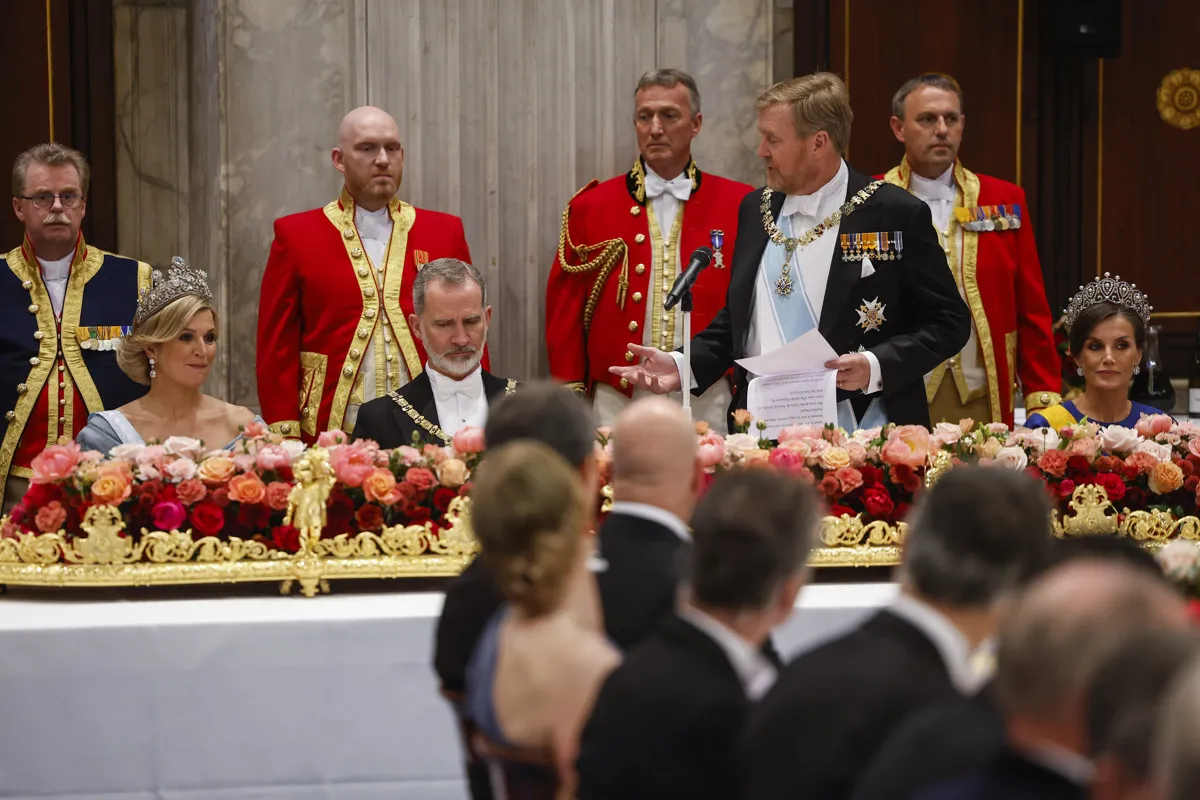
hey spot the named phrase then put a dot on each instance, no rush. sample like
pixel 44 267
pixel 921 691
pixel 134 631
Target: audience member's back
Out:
pixel 1175 765
pixel 977 533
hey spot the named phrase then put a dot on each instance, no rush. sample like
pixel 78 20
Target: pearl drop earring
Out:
pixel 154 374
pixel 1078 371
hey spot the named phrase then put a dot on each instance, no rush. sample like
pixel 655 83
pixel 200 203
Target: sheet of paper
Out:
pixel 805 354
pixel 794 398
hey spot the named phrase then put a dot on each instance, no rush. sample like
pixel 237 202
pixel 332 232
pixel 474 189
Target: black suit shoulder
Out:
pixel 471 600
pixel 665 723
pixel 833 707
pixel 639 582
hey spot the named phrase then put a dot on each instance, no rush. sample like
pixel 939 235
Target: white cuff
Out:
pixel 875 384
pixel 678 356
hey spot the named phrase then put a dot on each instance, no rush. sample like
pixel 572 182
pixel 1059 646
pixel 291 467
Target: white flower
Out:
pixel 947 432
pixel 127 452
pixel 1179 559
pixel 1013 458
pixel 738 444
pixel 294 447
pixel 1117 439
pixel 181 469
pixel 865 435
pixel 183 446
pixel 1038 440
pixel 1160 451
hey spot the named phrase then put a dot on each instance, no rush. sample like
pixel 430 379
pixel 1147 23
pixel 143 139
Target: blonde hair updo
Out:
pixel 528 507
pixel 159 328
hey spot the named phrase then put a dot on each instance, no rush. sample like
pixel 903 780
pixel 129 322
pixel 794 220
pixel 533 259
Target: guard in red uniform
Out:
pixel 336 295
pixel 623 243
pixel 983 224
pixel 64 306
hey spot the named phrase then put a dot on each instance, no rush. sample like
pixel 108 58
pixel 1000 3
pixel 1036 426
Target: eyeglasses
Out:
pixel 45 200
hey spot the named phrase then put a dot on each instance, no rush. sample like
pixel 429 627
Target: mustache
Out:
pixel 57 219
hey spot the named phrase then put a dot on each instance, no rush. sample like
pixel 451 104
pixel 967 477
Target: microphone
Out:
pixel 701 258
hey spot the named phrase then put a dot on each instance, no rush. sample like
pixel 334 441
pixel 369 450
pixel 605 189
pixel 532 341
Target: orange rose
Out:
pixel 378 484
pixel 1165 477
pixel 112 488
pixel 247 488
pixel 453 473
pixel 216 469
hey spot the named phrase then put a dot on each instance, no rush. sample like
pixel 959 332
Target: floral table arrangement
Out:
pixel 273 510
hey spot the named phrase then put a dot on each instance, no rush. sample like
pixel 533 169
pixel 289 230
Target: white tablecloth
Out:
pixel 262 697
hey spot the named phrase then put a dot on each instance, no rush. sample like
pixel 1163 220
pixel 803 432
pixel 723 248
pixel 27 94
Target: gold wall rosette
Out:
pixel 1178 98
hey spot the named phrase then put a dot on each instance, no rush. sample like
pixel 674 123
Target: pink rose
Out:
pixel 379 484
pixel 453 473
pixel 1150 425
pixel 353 463
pixel 127 452
pixel 50 517
pixel 55 463
pixel 711 449
pixel 181 469
pixel 848 479
pixel 742 418
pixel 1193 447
pixel 422 478
pixel 272 457
pixel 786 458
pixel 168 516
pixel 191 492
pixel 183 446
pixel 815 448
pixel 966 424
pixel 1140 461
pixel 409 456
pixel 278 494
pixel 801 447
pixel 329 439
pixel 908 445
pixel 792 432
pixel 1087 447
pixel 434 453
pixel 998 428
pixel 255 429
pixel 1160 452
pixel 948 432
pixel 469 440
pixel 857 452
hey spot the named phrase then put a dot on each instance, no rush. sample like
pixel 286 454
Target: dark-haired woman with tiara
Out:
pixel 1107 334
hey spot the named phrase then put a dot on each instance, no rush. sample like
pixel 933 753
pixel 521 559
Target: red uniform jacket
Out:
pixel 319 307
pixel 1006 294
pixel 601 277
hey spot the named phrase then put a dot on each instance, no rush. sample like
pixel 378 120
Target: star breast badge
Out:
pixel 870 314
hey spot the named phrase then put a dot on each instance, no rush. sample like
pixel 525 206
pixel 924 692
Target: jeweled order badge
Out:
pixel 718 241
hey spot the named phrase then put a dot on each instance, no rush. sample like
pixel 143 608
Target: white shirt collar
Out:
pixel 939 188
pixel 756 673
pixel 373 224
pixel 446 383
pixel 951 645
pixel 810 205
pixel 654 514
pixel 1074 767
pixel 57 270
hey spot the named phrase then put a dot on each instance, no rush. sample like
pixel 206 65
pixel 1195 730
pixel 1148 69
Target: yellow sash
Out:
pixel 1058 416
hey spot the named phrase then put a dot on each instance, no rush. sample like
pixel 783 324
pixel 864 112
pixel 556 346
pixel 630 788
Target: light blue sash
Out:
pixel 794 313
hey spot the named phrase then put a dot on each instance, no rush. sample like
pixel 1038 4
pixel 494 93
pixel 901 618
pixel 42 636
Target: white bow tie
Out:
pixel 680 187
pixel 805 205
pixel 445 390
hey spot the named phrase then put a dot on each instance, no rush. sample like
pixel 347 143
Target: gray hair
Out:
pixel 669 79
pixel 937 80
pixel 449 271
pixel 1177 741
pixel 50 154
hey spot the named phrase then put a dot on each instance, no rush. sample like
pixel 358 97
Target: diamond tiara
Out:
pixel 179 281
pixel 1109 289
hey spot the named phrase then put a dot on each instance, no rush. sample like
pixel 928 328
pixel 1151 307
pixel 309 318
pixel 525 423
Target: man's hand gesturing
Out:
pixel 655 370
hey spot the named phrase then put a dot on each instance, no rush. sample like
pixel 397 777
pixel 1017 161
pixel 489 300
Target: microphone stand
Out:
pixel 685 305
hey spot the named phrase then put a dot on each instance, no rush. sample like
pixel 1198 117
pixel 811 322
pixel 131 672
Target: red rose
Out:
pixel 877 501
pixel 340 514
pixel 837 510
pixel 1135 498
pixel 902 510
pixel 369 518
pixel 871 474
pixel 150 487
pixel 220 496
pixel 1114 487
pixel 407 490
pixel 905 477
pixel 442 497
pixel 419 515
pixel 1066 488
pixel 254 516
pixel 41 494
pixel 285 538
pixel 1130 471
pixel 1078 467
pixel 1191 482
pixel 208 518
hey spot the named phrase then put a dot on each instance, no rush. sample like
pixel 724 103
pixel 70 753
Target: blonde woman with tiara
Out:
pixel 541 660
pixel 171 349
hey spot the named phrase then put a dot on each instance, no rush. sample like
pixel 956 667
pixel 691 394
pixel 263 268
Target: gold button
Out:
pixel 633 326
pixel 62 420
pixel 62 401
pixel 33 308
pixel 348 372
pixel 369 313
pixel 286 427
pixel 62 368
pixel 363 272
pixel 356 252
pixel 629 356
pixel 10 416
pixel 391 376
pixel 62 384
pixel 35 361
pixel 953 362
pixel 355 352
pixel 38 335
pixel 26 284
pixel 641 237
pixel 348 233
pixel 1045 398
pixel 666 318
pixel 637 297
pixel 369 291
pixel 21 388
pixel 390 357
pixel 635 210
pixel 624 383
pixel 362 333
pixel 639 269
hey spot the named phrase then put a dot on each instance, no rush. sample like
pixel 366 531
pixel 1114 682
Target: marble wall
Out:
pixel 506 107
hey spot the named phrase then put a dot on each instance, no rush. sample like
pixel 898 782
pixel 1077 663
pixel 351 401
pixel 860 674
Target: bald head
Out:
pixel 1055 637
pixel 654 455
pixel 370 155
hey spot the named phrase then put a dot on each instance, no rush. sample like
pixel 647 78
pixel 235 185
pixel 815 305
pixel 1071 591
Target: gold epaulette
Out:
pixel 601 258
pixel 289 429
pixel 1036 400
